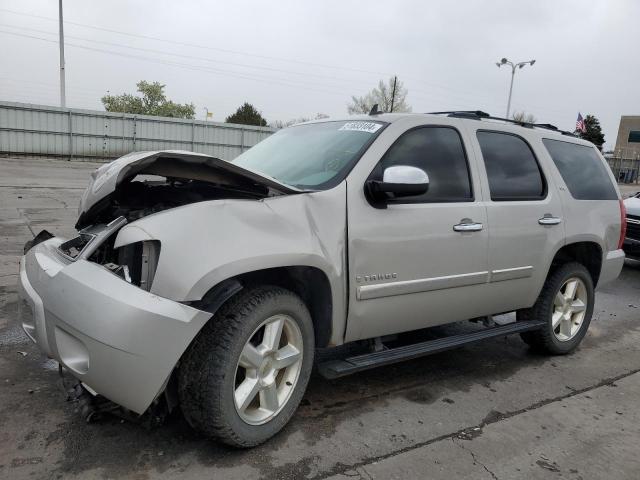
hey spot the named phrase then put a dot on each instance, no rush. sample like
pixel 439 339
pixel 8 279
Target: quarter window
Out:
pixel 439 152
pixel 512 169
pixel 582 170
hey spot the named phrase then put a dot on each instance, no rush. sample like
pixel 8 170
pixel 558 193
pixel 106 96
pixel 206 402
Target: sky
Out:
pixel 295 59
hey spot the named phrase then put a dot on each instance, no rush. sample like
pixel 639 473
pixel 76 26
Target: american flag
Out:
pixel 580 124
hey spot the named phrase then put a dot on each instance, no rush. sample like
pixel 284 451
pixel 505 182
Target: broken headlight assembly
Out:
pixel 135 262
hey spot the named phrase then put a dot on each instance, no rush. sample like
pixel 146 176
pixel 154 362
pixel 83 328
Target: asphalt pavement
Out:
pixel 493 410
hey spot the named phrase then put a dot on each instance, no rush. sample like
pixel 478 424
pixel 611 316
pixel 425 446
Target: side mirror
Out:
pixel 399 181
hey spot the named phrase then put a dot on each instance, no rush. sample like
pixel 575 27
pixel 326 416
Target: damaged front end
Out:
pixel 94 308
pixel 141 184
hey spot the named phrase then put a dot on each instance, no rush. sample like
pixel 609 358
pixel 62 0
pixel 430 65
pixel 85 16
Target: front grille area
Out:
pixel 633 227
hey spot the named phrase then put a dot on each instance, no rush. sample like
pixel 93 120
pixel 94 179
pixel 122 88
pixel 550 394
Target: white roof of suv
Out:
pixel 544 129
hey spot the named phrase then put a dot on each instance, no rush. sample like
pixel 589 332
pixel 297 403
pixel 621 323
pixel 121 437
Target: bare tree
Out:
pixel 524 117
pixel 383 96
pixel 278 124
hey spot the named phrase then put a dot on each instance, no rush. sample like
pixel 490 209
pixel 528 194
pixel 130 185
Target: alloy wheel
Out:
pixel 569 308
pixel 268 369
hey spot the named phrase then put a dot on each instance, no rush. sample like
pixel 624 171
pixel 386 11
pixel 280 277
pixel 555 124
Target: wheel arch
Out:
pixel 588 253
pixel 310 283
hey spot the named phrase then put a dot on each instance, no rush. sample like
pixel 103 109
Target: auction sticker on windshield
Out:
pixel 369 127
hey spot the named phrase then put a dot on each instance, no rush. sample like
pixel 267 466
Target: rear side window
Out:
pixel 582 170
pixel 439 152
pixel 512 169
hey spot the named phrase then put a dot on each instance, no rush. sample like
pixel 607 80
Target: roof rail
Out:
pixel 463 113
pixel 548 126
pixel 480 115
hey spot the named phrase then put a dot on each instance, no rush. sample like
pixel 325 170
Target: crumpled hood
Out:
pixel 178 163
pixel 632 205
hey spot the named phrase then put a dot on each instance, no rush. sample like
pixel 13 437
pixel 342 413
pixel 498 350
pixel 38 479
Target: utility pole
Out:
pixel 393 94
pixel 63 100
pixel 513 66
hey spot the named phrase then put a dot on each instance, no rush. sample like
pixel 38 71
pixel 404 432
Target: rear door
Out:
pixel 524 211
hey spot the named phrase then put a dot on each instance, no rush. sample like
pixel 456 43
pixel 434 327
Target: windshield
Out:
pixel 316 156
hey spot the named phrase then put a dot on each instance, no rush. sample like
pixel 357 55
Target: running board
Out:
pixel 339 368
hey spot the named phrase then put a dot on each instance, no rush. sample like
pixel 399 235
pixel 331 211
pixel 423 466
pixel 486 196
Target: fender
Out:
pixel 204 244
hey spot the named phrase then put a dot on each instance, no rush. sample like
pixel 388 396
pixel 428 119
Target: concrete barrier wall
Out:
pixel 28 129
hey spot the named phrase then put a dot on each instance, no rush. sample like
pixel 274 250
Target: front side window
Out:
pixel 316 156
pixel 440 153
pixel 582 170
pixel 512 169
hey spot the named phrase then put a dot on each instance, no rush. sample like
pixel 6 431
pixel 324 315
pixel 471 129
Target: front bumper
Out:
pixel 119 340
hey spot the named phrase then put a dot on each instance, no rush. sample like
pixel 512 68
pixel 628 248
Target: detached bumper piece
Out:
pixel 95 408
pixel 349 365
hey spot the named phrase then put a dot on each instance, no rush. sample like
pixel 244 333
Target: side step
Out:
pixel 339 368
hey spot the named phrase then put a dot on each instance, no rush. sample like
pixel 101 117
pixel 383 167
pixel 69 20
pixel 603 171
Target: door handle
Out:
pixel 467 226
pixel 549 220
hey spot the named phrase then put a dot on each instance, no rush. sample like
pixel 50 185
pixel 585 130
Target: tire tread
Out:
pixel 204 364
pixel 543 340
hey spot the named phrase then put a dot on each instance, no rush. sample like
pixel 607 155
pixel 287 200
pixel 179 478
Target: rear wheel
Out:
pixel 566 303
pixel 243 377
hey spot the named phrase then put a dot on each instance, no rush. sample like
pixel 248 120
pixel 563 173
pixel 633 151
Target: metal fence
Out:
pixel 626 170
pixel 27 129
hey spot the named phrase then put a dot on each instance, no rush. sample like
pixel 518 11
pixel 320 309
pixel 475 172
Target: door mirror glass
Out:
pixel 399 181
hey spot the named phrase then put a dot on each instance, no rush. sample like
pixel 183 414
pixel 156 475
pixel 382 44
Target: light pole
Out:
pixel 63 101
pixel 513 66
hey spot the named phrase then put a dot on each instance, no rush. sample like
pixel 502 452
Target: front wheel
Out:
pixel 244 375
pixel 566 304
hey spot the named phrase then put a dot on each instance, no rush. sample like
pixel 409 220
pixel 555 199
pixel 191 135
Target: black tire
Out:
pixel 544 340
pixel 207 373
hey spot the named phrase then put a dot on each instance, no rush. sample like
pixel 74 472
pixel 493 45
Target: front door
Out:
pixel 422 260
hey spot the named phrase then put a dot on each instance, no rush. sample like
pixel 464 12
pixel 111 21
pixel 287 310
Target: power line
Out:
pixel 193 57
pixel 471 98
pixel 193 45
pixel 182 65
pixel 236 52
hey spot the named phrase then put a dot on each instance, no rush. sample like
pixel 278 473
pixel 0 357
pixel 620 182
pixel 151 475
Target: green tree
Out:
pixel 593 131
pixel 382 95
pixel 247 114
pixel 151 101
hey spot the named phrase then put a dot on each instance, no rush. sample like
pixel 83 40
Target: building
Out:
pixel 628 141
pixel 625 160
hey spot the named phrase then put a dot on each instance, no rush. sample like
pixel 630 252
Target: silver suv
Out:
pixel 341 244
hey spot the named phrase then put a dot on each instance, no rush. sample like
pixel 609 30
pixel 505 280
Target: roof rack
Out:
pixel 464 113
pixel 480 115
pixel 548 126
